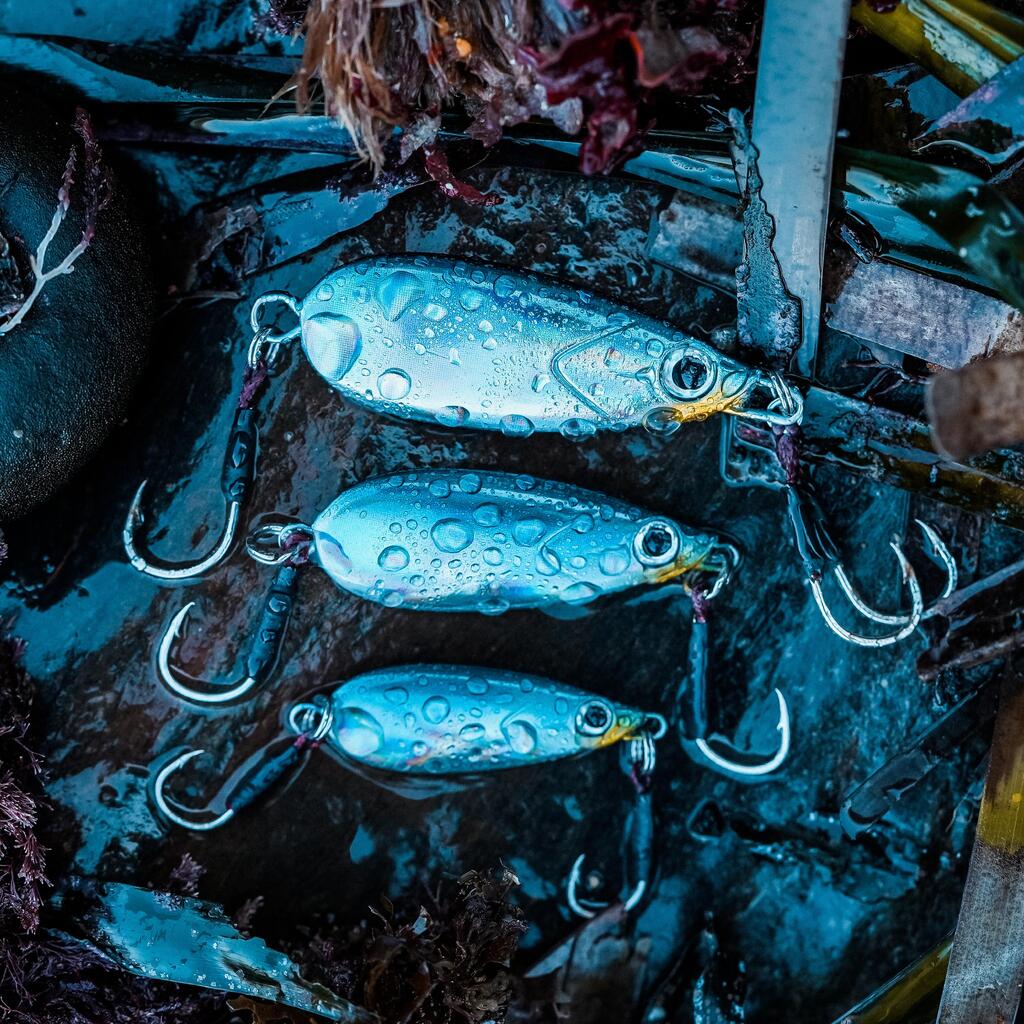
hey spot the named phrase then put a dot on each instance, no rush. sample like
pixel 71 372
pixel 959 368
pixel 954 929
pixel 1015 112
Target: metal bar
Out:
pixel 795 109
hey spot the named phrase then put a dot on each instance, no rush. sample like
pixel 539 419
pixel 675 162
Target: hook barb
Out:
pixel 733 762
pixel 164 807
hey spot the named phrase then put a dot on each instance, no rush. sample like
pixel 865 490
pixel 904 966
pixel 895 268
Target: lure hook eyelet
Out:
pixel 144 563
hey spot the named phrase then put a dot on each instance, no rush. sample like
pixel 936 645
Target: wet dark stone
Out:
pixel 66 371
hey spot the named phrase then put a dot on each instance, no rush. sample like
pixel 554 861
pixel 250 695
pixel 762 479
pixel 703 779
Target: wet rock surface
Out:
pixel 818 920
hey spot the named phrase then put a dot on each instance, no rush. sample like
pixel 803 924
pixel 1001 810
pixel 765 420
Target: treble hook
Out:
pixel 311 722
pixel 638 763
pixel 820 557
pixel 263 651
pixel 691 710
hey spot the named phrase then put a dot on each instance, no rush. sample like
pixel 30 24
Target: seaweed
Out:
pixel 448 962
pixel 398 65
pixel 97 190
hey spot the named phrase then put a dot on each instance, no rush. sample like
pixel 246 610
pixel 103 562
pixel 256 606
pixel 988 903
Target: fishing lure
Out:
pixel 463 541
pixel 463 344
pixel 430 722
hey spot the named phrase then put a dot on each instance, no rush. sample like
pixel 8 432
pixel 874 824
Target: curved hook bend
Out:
pixel 169 813
pixel 906 624
pixel 940 553
pixel 263 651
pixel 178 571
pixel 736 762
pixel 236 480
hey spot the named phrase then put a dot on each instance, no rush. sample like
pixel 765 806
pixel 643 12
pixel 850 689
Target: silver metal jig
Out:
pixel 434 721
pixel 479 541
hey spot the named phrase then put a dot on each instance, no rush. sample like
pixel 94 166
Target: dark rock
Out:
pixel 67 369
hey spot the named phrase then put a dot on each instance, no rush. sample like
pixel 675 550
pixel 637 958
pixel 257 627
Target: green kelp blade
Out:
pixel 986 968
pixel 982 226
pixel 190 942
pixel 962 42
pixel 912 997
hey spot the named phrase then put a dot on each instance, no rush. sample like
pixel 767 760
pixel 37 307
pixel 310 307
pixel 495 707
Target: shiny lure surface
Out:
pixel 437 720
pixel 479 346
pixel 463 541
pixel 476 345
pixel 451 719
pixel 458 540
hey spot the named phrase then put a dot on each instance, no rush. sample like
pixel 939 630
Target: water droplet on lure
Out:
pixel 493 556
pixel 579 593
pixel 505 286
pixel 472 732
pixel 521 735
pixel 470 483
pixel 452 416
pixel 471 299
pixel 486 514
pixel 613 561
pixel 528 531
pixel 439 488
pixel 451 535
pixel 393 558
pixel 435 709
pixel 515 426
pixel 358 733
pixel 394 384
pixel 661 421
pixel 576 429
pixel 540 382
pixel 432 311
pixel 397 292
pixel 396 694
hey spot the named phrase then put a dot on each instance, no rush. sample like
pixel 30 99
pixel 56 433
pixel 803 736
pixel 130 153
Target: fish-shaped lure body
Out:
pixel 474 345
pixel 452 719
pixel 463 540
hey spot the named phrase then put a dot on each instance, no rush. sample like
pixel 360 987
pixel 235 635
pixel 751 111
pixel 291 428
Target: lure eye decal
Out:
pixel 594 718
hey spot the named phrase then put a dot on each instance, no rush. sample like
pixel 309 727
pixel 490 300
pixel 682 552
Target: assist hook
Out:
pixel 292 543
pixel 691 708
pixel 638 762
pixel 311 721
pixel 239 471
pixel 820 557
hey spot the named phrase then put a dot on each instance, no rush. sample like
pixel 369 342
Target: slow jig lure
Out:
pixel 471 345
pixel 463 541
pixel 434 722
